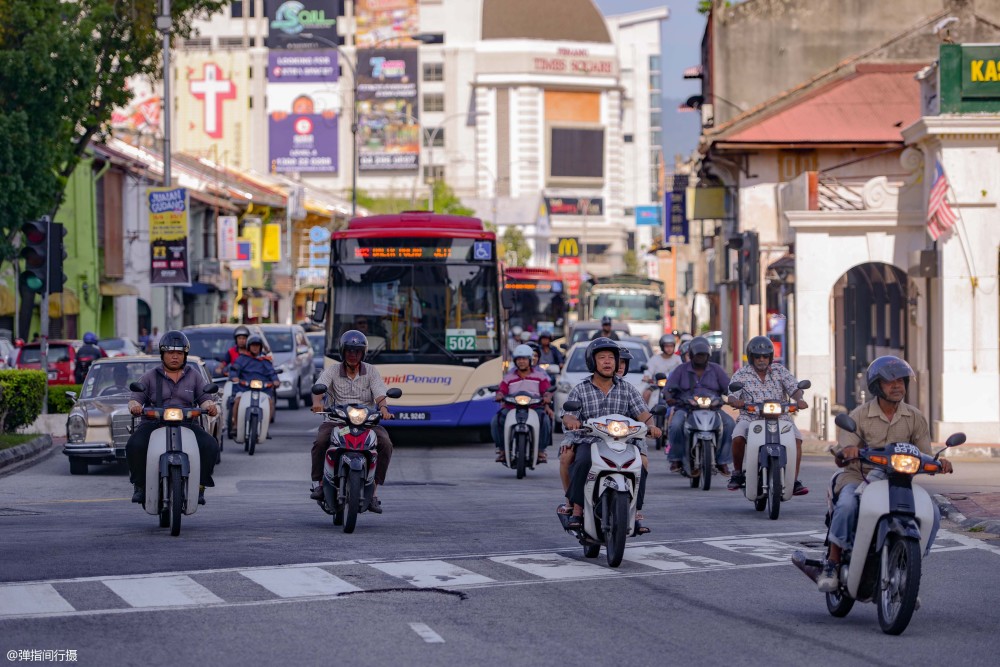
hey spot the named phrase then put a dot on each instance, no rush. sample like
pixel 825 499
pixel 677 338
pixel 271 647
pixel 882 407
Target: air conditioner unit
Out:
pixel 707 115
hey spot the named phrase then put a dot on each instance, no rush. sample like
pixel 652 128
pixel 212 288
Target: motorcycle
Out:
pixel 894 523
pixel 771 444
pixel 173 463
pixel 703 434
pixel 521 431
pixel 660 398
pixel 253 417
pixel 612 484
pixel 349 464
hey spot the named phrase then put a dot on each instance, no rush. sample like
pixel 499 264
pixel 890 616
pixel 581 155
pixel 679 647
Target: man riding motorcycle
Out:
pixel 606 331
pixel 665 363
pixel 86 355
pixel 548 354
pixel 533 381
pixel 763 380
pixel 352 381
pixel 250 365
pixel 603 393
pixel 697 376
pixel 240 335
pixel 174 384
pixel 882 420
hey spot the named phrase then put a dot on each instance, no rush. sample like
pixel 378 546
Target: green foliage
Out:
pixel 59 403
pixel 384 205
pixel 445 200
pixel 20 398
pixel 705 6
pixel 631 263
pixel 64 67
pixel 8 440
pixel 514 248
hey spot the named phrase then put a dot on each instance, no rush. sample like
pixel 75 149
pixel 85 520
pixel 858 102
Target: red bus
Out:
pixel 539 300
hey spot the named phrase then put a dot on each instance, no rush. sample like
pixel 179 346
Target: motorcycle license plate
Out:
pixel 413 416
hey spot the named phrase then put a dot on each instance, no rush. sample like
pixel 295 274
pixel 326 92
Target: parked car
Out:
pixel 211 342
pixel 291 353
pixel 61 362
pixel 99 423
pixel 318 341
pixel 119 347
pixel 8 354
pixel 575 370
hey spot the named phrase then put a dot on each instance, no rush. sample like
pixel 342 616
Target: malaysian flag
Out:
pixel 940 216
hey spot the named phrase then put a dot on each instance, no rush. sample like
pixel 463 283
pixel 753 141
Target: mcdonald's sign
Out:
pixel 569 247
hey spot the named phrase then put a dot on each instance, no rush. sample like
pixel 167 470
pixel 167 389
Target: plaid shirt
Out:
pixel 365 388
pixel 777 385
pixel 623 399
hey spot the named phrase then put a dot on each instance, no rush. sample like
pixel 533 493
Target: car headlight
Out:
pixel 357 416
pixel 772 408
pixel 173 415
pixel 703 401
pixel 76 428
pixel 522 400
pixel 905 463
pixel 256 384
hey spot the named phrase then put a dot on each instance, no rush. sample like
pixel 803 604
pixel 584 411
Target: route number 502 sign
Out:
pixel 460 340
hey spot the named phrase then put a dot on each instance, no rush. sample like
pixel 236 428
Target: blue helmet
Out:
pixel 90 338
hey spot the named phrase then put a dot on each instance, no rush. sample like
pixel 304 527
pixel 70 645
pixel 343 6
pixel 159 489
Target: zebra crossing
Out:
pixel 320 581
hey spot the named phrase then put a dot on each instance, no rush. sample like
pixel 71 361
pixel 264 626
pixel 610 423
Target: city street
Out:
pixel 467 565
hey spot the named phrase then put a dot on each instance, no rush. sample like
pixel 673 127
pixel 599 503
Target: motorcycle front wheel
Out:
pixel 897 598
pixel 773 489
pixel 760 502
pixel 839 604
pixel 521 452
pixel 353 500
pixel 251 435
pixel 707 461
pixel 176 500
pixel 616 526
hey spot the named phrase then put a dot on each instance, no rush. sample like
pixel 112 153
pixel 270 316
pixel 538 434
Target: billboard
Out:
pixel 288 19
pixel 168 236
pixel 647 215
pixel 302 110
pixel 385 22
pixel 581 206
pixel 212 96
pixel 388 129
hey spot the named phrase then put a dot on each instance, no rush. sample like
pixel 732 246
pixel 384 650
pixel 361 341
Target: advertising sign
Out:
pixel 288 19
pixel 675 223
pixel 302 110
pixel 226 228
pixel 648 215
pixel 389 132
pixel 244 253
pixel 580 206
pixel 383 22
pixel 212 100
pixel 271 246
pixel 253 234
pixel 969 78
pixel 168 236
pixel 569 247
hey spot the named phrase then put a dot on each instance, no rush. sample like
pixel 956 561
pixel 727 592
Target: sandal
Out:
pixel 501 457
pixel 565 509
pixel 543 457
pixel 575 523
pixel 639 528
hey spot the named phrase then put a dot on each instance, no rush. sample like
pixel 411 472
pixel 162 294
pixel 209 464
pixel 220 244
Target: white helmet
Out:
pixel 523 351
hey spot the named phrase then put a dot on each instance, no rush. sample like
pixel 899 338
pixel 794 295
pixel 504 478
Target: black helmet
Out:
pixel 535 347
pixel 353 340
pixel 667 339
pixel 684 349
pixel 606 319
pixel 545 333
pixel 699 345
pixel 625 356
pixel 255 339
pixel 760 346
pixel 598 344
pixel 240 331
pixel 888 368
pixel 174 341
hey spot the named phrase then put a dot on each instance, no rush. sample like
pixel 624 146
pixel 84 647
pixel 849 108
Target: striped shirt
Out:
pixel 365 388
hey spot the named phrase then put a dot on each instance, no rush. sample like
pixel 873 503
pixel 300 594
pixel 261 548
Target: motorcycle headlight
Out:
pixel 522 400
pixel 661 383
pixel 357 416
pixel 772 408
pixel 703 401
pixel 905 463
pixel 76 428
pixel 173 415
pixel 544 367
pixel 616 429
pixel 256 384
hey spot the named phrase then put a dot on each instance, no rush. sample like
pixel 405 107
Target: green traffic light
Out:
pixel 34 283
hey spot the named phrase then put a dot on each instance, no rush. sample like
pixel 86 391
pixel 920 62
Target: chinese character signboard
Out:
pixel 675 223
pixel 389 132
pixel 168 236
pixel 302 110
pixel 226 227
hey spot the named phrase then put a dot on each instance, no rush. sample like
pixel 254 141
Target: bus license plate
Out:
pixel 413 416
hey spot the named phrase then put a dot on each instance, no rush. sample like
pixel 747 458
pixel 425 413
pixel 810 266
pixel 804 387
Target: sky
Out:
pixel 681 38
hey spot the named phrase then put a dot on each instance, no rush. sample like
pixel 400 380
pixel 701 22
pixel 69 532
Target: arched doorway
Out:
pixel 869 320
pixel 144 316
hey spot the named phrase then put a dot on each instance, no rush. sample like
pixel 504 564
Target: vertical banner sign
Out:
pixel 244 251
pixel 675 228
pixel 227 232
pixel 288 19
pixel 382 21
pixel 168 236
pixel 253 233
pixel 302 110
pixel 271 247
pixel 387 110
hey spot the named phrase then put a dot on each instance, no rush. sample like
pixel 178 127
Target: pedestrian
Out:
pixel 154 341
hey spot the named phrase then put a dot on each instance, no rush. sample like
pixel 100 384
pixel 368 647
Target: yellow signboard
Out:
pixel 271 250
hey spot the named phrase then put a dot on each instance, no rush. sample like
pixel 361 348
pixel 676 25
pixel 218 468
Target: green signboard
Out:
pixel 460 340
pixel 970 78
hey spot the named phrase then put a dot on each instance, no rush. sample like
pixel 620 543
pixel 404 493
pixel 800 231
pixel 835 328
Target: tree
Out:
pixel 445 200
pixel 63 69
pixel 514 249
pixel 631 263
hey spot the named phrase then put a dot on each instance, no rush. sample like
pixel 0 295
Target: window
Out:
pixel 433 71
pixel 433 173
pixel 237 8
pixel 576 153
pixel 436 134
pixel 433 102
pixel 629 138
pixel 654 63
pixel 656 137
pixel 654 81
pixel 200 42
pixel 654 100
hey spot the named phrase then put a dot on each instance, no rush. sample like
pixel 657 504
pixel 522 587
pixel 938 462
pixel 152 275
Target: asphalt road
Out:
pixel 467 566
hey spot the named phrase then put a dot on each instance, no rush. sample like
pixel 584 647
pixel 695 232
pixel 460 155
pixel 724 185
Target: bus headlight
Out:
pixel 357 416
pixel 905 463
pixel 76 429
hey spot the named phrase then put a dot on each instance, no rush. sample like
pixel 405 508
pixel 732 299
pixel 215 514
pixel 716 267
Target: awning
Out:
pixel 65 301
pixel 213 201
pixel 118 289
pixel 6 301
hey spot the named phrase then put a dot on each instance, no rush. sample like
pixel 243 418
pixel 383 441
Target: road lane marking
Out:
pixel 552 566
pixel 425 633
pixel 159 591
pixel 665 558
pixel 32 599
pixel 763 547
pixel 298 582
pixel 431 573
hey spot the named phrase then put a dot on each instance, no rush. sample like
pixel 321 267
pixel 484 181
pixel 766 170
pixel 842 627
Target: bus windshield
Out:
pixel 627 307
pixel 538 305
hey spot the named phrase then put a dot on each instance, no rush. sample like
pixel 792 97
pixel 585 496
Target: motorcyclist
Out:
pixel 606 331
pixel 240 335
pixel 250 365
pixel 698 376
pixel 548 354
pixel 682 351
pixel 523 378
pixel 763 380
pixel 665 362
pixel 884 419
pixel 174 384
pixel 85 356
pixel 603 393
pixel 352 381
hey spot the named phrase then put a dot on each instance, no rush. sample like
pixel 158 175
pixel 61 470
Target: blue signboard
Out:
pixel 648 215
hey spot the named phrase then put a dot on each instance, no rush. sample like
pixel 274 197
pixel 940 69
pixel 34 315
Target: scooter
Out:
pixel 703 433
pixel 253 417
pixel 173 463
pixel 521 431
pixel 770 449
pixel 612 489
pixel 894 525
pixel 349 464
pixel 660 398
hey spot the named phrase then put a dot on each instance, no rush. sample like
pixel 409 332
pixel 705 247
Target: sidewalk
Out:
pixel 811 444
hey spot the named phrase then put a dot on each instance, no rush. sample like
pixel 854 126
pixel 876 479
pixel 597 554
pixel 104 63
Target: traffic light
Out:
pixel 750 265
pixel 57 253
pixel 34 252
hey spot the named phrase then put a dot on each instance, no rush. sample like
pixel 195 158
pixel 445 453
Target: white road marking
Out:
pixel 763 547
pixel 31 599
pixel 299 582
pixel 431 573
pixel 665 558
pixel 553 566
pixel 159 591
pixel 426 633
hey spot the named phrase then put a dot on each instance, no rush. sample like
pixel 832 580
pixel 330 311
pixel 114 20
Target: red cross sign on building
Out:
pixel 213 89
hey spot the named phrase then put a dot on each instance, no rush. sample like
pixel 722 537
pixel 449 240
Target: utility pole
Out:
pixel 164 24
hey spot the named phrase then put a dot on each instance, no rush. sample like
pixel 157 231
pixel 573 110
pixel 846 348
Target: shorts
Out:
pixel 743 427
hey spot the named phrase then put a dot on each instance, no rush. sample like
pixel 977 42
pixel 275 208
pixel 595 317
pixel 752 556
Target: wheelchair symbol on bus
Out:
pixel 482 250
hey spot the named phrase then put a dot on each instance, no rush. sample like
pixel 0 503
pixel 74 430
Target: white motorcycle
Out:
pixel 521 430
pixel 612 489
pixel 253 417
pixel 894 524
pixel 770 450
pixel 173 463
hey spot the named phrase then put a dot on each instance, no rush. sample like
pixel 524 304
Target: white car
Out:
pixel 574 370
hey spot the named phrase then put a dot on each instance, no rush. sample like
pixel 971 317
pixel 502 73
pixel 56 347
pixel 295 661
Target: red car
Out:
pixel 61 363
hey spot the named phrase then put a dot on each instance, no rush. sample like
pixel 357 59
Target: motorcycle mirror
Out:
pixel 280 371
pixel 137 386
pixel 805 384
pixel 954 440
pixel 210 388
pixel 395 392
pixel 735 387
pixel 319 389
pixel 71 395
pixel 845 422
pixel 660 376
pixel 644 367
pixel 658 410
pixel 572 406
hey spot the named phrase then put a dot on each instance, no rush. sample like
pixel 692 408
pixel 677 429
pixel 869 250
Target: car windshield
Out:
pixel 33 355
pixel 281 341
pixel 578 361
pixel 105 380
pixel 210 344
pixel 318 345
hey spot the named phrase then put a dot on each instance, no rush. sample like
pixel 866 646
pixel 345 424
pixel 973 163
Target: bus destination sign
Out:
pixel 393 252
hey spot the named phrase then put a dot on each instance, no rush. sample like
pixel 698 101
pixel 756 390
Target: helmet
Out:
pixel 685 337
pixel 174 341
pixel 667 339
pixel 515 331
pixel 353 340
pixel 535 347
pixel 606 319
pixel 545 333
pixel 89 338
pixel 255 339
pixel 240 331
pixel 522 351
pixel 888 368
pixel 699 345
pixel 598 344
pixel 684 349
pixel 525 336
pixel 760 346
pixel 624 355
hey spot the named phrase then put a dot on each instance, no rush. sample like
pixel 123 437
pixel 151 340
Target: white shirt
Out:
pixel 659 364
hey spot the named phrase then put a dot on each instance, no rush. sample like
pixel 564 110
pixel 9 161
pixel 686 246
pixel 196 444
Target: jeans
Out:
pixel 383 448
pixel 138 445
pixel 844 520
pixel 678 441
pixel 544 438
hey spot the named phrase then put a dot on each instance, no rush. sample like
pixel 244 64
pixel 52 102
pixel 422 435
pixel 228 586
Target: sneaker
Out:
pixel 737 481
pixel 201 495
pixel 828 582
pixel 317 491
pixel 139 496
pixel 800 489
pixel 375 505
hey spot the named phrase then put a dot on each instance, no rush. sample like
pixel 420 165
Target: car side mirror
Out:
pixel 954 440
pixel 319 312
pixel 846 423
pixel 319 389
pixel 395 392
pixel 735 387
pixel 805 384
pixel 658 410
pixel 71 395
pixel 572 406
pixel 210 388
pixel 137 386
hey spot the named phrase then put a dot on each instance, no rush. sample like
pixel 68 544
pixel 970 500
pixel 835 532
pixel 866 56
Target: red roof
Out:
pixel 870 105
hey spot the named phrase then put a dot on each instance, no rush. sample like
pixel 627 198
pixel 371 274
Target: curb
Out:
pixel 977 525
pixel 23 453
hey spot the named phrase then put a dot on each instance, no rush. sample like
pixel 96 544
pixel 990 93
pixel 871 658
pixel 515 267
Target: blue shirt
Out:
pixel 684 383
pixel 248 368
